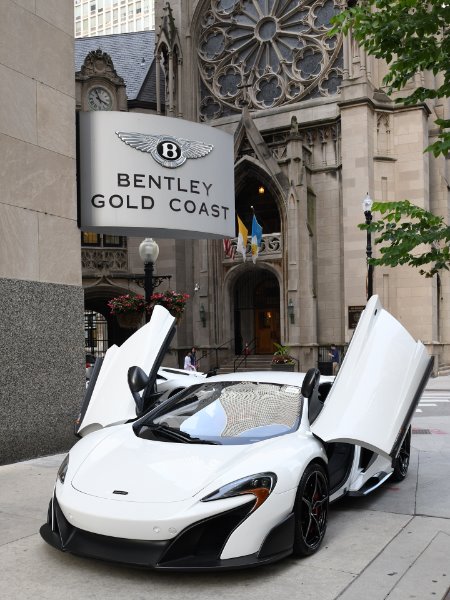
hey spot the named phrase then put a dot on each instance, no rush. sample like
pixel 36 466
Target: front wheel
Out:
pixel 401 462
pixel 311 510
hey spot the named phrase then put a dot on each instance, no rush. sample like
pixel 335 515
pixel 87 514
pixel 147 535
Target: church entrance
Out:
pixel 257 311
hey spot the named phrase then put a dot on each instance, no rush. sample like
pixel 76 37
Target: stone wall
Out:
pixel 41 299
pixel 42 368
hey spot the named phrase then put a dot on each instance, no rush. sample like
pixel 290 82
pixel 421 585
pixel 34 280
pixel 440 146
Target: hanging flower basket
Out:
pixel 129 310
pixel 174 302
pixel 129 320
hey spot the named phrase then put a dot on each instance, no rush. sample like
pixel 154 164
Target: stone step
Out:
pixel 254 362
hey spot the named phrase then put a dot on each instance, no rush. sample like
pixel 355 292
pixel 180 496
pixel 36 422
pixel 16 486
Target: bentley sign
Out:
pixel 141 174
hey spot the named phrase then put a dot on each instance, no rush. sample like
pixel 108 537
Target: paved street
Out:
pixel 395 543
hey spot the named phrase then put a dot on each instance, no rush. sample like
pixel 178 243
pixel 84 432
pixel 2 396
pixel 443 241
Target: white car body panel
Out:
pixel 380 376
pixel 89 503
pixel 111 401
pixel 249 536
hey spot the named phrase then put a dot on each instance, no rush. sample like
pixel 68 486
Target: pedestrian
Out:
pixel 187 363
pixel 334 355
pixel 193 355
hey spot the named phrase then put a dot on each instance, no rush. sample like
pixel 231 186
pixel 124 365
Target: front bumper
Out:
pixel 198 547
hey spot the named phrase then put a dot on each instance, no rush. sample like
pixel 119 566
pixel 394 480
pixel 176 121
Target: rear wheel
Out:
pixel 401 463
pixel 311 510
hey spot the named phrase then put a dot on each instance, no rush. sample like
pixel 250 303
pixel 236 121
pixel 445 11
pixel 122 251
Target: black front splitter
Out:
pixel 183 553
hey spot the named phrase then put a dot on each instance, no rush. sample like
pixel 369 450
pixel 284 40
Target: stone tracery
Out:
pixel 265 53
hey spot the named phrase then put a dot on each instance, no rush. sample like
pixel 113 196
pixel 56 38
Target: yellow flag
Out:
pixel 242 238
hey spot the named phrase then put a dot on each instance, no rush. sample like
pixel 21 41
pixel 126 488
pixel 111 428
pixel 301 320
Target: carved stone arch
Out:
pixel 96 299
pixel 250 174
pixel 233 274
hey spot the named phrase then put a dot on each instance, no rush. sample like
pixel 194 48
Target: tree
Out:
pixel 412 36
pixel 422 240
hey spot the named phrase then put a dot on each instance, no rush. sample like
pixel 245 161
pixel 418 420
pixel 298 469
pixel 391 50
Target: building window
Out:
pixel 113 241
pixel 89 238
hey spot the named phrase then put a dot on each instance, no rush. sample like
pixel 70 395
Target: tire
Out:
pixel 311 510
pixel 401 462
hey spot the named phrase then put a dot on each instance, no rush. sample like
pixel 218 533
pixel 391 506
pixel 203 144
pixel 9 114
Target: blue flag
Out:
pixel 256 238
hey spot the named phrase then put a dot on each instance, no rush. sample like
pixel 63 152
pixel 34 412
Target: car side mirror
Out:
pixel 137 381
pixel 310 381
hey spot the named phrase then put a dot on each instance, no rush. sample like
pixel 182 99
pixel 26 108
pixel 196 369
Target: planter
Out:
pixel 282 366
pixel 130 320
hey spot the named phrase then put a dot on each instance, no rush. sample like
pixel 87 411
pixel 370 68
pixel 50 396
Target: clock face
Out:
pixel 99 99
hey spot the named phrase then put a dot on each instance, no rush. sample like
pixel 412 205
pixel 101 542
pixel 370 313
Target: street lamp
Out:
pixel 291 311
pixel 148 251
pixel 367 206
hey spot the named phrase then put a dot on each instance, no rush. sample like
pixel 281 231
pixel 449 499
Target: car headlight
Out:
pixel 259 485
pixel 63 469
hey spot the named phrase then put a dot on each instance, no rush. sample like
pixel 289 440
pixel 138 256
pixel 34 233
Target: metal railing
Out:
pixel 242 358
pixel 324 359
pixel 207 353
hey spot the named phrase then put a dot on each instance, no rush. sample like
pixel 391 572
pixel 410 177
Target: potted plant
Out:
pixel 282 360
pixel 174 302
pixel 129 310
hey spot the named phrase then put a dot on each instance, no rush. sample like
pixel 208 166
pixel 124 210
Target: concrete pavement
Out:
pixel 393 544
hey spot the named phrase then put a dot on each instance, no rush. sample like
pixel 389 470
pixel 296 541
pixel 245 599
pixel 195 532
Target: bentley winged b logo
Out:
pixel 167 150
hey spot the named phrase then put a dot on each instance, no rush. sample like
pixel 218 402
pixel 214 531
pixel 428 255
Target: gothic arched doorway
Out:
pixel 101 328
pixel 257 311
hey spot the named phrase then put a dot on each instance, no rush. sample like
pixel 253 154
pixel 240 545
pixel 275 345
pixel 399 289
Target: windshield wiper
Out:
pixel 179 436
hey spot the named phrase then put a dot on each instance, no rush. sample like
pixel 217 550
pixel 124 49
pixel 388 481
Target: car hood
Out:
pixel 148 471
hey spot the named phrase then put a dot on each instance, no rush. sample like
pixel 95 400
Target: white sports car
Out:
pixel 236 470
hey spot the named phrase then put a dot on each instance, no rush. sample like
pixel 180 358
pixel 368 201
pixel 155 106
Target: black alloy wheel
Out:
pixel 311 510
pixel 401 462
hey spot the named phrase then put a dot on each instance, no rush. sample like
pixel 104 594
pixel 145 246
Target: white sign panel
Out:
pixel 154 176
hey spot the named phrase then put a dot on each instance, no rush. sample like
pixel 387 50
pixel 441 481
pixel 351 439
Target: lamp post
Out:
pixel 148 251
pixel 367 206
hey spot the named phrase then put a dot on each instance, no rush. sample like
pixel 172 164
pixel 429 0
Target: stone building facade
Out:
pixel 314 133
pixel 41 316
pixel 314 127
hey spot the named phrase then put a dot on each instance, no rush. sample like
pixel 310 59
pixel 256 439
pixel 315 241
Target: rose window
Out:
pixel 265 53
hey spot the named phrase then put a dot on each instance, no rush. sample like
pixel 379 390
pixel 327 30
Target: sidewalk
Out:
pixel 393 544
pixel 439 383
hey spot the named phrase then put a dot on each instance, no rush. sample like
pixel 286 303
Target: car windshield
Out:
pixel 226 413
